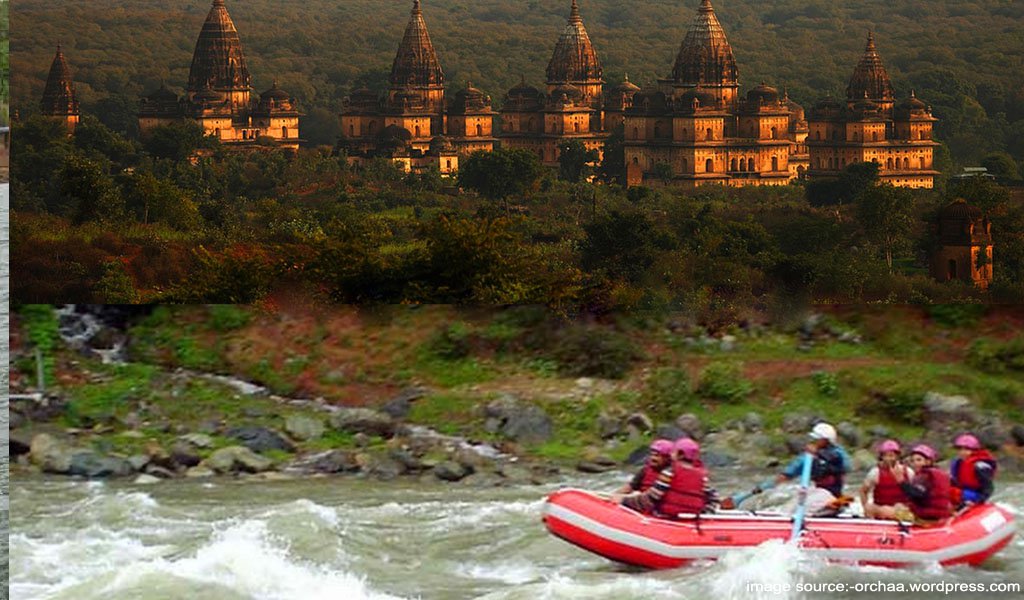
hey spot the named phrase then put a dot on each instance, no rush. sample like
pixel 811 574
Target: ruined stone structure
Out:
pixel 415 124
pixel 59 100
pixel 219 95
pixel 695 128
pixel 872 127
pixel 574 105
pixel 965 245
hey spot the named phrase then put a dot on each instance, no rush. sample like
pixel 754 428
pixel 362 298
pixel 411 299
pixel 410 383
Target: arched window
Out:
pixel 216 133
pixel 540 153
pixel 657 130
pixel 906 163
pixel 529 124
pixel 775 163
pixel 951 269
pixel 751 166
pixel 636 161
pixel 479 130
pixel 711 134
pixel 636 133
pixel 449 162
pixel 775 133
pixel 817 135
pixel 686 165
pixel 752 131
pixel 709 166
pixel 856 136
pixel 921 161
pixel 874 136
pixel 922 135
pixel 888 164
pixel 351 130
pixel 732 165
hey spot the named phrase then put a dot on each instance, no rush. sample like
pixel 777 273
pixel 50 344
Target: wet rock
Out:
pixel 514 474
pixel 450 470
pixel 691 425
pixel 471 459
pixel 795 444
pixel 399 406
pixel 199 440
pixel 383 467
pixel 16 420
pixel 363 420
pixel 138 461
pixel 185 453
pixel 752 422
pixel 199 472
pixel 608 426
pixel 519 421
pixel 879 432
pixel 336 461
pixel 235 459
pixel 640 421
pixel 863 459
pixel 600 464
pixel 1017 433
pixel 160 472
pixel 50 454
pixel 97 466
pixel 945 414
pixel 145 479
pixel 993 435
pixel 303 428
pixel 19 444
pixel 850 434
pixel 638 456
pixel 260 439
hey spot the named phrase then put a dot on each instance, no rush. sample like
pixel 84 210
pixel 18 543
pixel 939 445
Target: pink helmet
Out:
pixel 926 451
pixel 688 448
pixel 889 446
pixel 661 447
pixel 968 441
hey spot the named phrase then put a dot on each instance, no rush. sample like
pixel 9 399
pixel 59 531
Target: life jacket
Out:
pixel 650 475
pixel 686 491
pixel 888 491
pixel 937 505
pixel 827 470
pixel 966 487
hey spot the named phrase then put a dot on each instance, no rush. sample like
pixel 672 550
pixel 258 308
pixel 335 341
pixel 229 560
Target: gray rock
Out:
pixel 596 466
pixel 303 428
pixel 209 426
pixel 199 472
pixel 199 440
pixel 336 461
pixel 797 422
pixel 993 435
pixel 235 459
pixel 260 439
pixel 850 434
pixel 638 456
pixel 641 421
pixel 16 420
pixel 669 432
pixel 450 470
pixel 514 473
pixel 160 472
pixel 145 479
pixel 753 422
pixel 716 459
pixel 363 420
pixel 863 459
pixel 944 414
pixel 50 454
pixel 185 454
pixel 608 426
pixel 96 466
pixel 518 420
pixel 728 343
pixel 384 467
pixel 138 461
pixel 1017 433
pixel 691 425
pixel 879 432
pixel 399 406
pixel 795 444
pixel 20 443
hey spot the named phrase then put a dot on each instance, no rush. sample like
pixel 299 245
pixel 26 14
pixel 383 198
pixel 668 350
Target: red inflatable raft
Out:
pixel 623 535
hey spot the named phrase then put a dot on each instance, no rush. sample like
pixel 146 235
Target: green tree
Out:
pixel 86 193
pixel 886 216
pixel 613 162
pixel 1001 164
pixel 152 200
pixel 574 161
pixel 501 174
pixel 115 286
pixel 178 141
pixel 620 244
pixel 852 182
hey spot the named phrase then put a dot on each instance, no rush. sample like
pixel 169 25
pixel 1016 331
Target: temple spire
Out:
pixel 705 56
pixel 59 98
pixel 218 61
pixel 574 58
pixel 416 62
pixel 870 79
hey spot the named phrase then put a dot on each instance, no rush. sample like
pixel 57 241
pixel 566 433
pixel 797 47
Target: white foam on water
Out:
pixel 245 558
pixel 773 565
pixel 613 587
pixel 513 572
pixel 324 513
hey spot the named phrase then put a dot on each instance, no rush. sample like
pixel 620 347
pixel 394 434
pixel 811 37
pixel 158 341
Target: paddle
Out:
pixel 801 507
pixel 731 502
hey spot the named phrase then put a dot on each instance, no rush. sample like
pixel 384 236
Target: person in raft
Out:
pixel 659 457
pixel 887 499
pixel 681 488
pixel 831 462
pixel 973 472
pixel 929 490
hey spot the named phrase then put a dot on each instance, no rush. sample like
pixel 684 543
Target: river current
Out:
pixel 356 539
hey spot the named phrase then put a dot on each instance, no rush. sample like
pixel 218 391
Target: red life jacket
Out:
pixel 937 505
pixel 649 477
pixel 887 491
pixel 965 476
pixel 686 492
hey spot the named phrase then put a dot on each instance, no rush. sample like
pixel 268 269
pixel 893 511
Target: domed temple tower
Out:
pixel 694 129
pixel 219 93
pixel 965 245
pixel 414 123
pixel 873 127
pixel 59 99
pixel 573 106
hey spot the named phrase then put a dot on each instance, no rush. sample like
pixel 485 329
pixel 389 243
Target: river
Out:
pixel 355 539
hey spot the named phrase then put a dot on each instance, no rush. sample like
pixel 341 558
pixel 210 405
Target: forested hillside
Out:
pixel 965 57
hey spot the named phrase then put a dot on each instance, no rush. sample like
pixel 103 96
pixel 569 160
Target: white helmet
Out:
pixel 824 431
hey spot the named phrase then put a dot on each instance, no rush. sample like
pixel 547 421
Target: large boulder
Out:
pixel 850 434
pixel 450 470
pixel 399 406
pixel 50 454
pixel 691 425
pixel 945 416
pixel 235 459
pixel 303 428
pixel 336 461
pixel 185 454
pixel 97 466
pixel 666 431
pixel 519 421
pixel 260 439
pixel 363 420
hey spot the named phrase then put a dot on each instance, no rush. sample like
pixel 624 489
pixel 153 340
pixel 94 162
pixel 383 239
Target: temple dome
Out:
pixel 763 93
pixel 705 56
pixel 870 79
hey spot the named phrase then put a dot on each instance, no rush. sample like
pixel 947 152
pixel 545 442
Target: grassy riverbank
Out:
pixel 865 366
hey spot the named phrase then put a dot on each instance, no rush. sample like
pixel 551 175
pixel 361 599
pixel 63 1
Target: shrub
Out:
pixel 451 342
pixel 592 351
pixel 898 404
pixel 667 393
pixel 956 315
pixel 826 383
pixel 227 317
pixel 993 357
pixel 724 382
